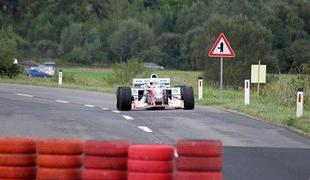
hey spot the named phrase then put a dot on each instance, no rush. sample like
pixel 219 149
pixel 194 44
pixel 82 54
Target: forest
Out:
pixel 177 34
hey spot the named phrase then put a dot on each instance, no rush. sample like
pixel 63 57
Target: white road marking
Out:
pixel 127 117
pixel 61 101
pixel 88 105
pixel 25 95
pixel 104 108
pixel 116 111
pixel 146 129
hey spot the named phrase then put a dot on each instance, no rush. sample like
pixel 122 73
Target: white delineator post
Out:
pixel 247 92
pixel 299 103
pixel 60 77
pixel 200 88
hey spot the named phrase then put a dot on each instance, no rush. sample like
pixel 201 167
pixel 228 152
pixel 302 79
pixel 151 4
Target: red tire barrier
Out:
pixel 108 163
pixel 17 172
pixel 199 164
pixel 106 148
pixel 150 166
pixel 16 179
pixel 17 160
pixel 200 148
pixel 59 161
pixel 151 152
pixel 92 174
pixel 149 176
pixel 58 174
pixel 17 145
pixel 60 146
pixel 179 175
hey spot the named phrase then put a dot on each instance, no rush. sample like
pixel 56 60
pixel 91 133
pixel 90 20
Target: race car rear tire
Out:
pixel 188 96
pixel 124 99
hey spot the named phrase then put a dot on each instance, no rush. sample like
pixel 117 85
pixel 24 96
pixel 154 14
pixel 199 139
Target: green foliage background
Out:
pixel 174 33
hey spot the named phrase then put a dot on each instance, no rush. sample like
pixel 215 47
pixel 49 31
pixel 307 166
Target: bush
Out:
pixel 8 53
pixel 125 72
pixel 285 86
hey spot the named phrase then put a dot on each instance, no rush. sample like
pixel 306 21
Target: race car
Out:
pixel 154 93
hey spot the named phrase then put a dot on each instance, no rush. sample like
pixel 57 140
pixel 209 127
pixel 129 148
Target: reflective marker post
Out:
pixel 299 102
pixel 15 61
pixel 60 77
pixel 200 88
pixel 247 92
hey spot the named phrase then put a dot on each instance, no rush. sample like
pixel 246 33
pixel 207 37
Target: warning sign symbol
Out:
pixel 222 48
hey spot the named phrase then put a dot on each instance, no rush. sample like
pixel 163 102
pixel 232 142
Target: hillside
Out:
pixel 173 33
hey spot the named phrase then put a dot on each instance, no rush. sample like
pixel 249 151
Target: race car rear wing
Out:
pixel 140 83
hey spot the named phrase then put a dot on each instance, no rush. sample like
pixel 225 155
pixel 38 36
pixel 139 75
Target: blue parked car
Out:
pixel 39 72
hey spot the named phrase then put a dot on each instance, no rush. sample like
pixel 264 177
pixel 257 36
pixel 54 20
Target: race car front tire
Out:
pixel 188 97
pixel 124 99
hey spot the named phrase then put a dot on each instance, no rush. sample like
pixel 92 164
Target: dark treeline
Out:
pixel 174 33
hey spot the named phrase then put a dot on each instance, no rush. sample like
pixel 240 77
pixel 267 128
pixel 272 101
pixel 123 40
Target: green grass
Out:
pixel 275 104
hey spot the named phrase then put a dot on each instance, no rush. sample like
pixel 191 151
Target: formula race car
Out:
pixel 154 93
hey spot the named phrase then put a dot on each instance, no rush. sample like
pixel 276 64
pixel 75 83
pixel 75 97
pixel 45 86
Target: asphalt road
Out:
pixel 254 150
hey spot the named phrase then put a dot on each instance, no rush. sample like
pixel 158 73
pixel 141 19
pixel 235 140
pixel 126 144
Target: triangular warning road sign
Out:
pixel 222 48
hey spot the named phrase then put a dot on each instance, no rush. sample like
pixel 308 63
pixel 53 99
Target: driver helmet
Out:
pixel 153 82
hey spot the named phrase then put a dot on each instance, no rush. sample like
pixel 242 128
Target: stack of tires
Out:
pixel 150 162
pixel 17 158
pixel 199 160
pixel 59 159
pixel 105 160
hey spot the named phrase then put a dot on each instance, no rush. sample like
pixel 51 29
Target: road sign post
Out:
pixel 221 79
pixel 200 88
pixel 222 49
pixel 258 76
pixel 299 103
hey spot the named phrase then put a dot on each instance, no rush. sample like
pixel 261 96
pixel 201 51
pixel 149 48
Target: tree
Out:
pixel 252 42
pixel 299 53
pixel 8 48
pixel 169 44
pixel 82 44
pixel 130 40
pixel 191 16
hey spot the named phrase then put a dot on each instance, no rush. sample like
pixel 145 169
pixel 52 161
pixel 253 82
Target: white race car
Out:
pixel 154 93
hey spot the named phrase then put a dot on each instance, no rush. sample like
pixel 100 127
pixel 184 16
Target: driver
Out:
pixel 153 83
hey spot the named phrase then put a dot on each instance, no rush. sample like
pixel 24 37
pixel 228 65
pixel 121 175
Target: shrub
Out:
pixel 8 50
pixel 125 72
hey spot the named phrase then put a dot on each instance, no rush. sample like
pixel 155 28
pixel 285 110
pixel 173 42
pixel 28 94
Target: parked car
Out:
pixel 28 63
pixel 151 65
pixel 40 71
pixel 50 64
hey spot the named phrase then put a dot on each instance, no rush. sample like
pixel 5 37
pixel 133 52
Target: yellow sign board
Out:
pixel 258 73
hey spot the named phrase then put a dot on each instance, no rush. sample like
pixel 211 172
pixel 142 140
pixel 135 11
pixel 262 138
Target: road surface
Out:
pixel 254 150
